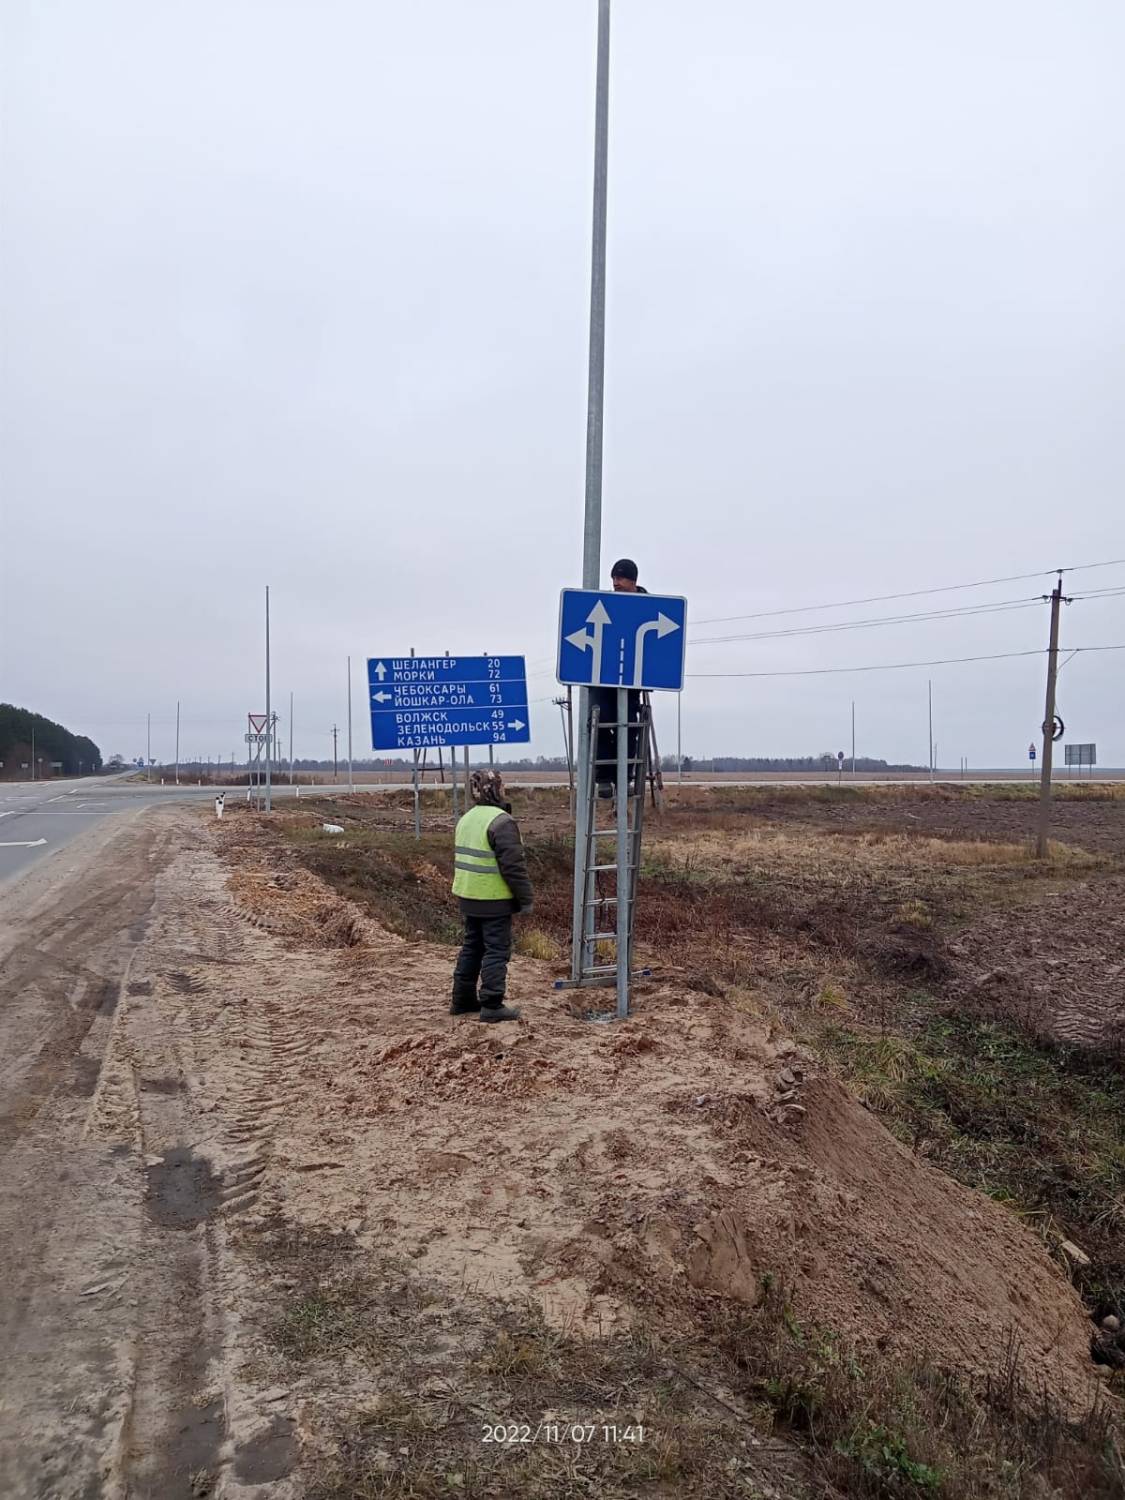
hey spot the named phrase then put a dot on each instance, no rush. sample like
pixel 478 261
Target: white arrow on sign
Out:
pixel 380 671
pixel 592 640
pixel 663 626
pixel 25 844
pixel 382 697
pixel 515 724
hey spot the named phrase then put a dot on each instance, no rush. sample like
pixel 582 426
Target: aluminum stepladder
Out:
pixel 603 892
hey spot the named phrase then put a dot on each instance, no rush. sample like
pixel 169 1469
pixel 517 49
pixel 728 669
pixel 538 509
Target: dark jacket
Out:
pixel 505 842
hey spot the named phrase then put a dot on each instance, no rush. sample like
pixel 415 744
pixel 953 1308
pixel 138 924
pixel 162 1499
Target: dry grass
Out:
pixel 703 855
pixel 533 942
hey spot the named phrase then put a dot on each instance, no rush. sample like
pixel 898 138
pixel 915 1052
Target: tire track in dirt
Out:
pixel 63 1300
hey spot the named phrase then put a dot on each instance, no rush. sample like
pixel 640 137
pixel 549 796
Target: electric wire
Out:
pixel 949 588
pixel 895 666
pixel 1033 601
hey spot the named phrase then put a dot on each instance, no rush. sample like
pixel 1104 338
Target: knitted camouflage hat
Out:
pixel 487 787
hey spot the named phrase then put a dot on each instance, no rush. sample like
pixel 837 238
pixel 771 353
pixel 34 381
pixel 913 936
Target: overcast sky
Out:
pixel 297 294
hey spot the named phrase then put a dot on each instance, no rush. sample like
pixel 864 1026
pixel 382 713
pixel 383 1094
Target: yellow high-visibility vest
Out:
pixel 476 873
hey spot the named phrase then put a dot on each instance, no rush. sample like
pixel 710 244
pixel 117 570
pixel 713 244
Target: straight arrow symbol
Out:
pixel 380 671
pixel 591 640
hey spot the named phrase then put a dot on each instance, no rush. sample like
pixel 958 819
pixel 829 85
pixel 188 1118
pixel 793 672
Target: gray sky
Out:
pixel 298 294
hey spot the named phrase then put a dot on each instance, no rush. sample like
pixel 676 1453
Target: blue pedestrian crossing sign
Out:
pixel 622 640
pixel 422 702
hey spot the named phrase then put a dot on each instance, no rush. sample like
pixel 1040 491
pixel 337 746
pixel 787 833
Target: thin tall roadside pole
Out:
pixel 1049 724
pixel 290 739
pixel 930 697
pixel 853 737
pixel 269 721
pixel 453 779
pixel 351 780
pixel 148 742
pixel 680 736
pixel 417 804
pixel 177 742
pixel 595 410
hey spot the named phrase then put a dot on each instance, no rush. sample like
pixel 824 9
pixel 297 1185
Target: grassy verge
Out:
pixel 906 1430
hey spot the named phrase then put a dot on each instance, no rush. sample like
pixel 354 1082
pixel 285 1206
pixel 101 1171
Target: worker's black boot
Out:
pixel 465 1002
pixel 498 1011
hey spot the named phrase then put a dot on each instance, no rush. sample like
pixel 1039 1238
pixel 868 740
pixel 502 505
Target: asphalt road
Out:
pixel 39 819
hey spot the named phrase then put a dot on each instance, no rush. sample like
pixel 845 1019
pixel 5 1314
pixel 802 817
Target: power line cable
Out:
pixel 895 666
pixel 961 612
pixel 949 588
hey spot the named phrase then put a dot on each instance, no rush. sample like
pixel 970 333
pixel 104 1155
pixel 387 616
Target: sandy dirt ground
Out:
pixel 204 1047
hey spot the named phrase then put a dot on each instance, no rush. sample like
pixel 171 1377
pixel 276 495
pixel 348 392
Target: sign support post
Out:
pixel 624 873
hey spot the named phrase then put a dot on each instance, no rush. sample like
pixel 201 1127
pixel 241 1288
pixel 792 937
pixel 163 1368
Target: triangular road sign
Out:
pixel 257 723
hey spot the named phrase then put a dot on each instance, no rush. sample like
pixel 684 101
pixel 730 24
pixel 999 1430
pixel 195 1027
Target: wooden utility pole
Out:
pixel 335 763
pixel 1049 724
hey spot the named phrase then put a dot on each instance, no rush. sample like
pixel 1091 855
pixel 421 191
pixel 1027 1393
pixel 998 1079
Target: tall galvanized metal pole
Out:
pixel 1049 725
pixel 291 738
pixel 269 721
pixel 595 409
pixel 177 742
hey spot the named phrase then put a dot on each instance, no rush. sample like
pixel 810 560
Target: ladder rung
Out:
pixel 603 901
pixel 601 937
pixel 595 869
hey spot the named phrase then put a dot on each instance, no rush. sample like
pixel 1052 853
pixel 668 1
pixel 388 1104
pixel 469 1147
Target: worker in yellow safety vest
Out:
pixel 490 880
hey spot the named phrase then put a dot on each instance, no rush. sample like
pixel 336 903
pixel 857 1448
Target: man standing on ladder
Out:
pixel 623 576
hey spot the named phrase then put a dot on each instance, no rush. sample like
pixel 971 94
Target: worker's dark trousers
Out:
pixel 605 701
pixel 484 955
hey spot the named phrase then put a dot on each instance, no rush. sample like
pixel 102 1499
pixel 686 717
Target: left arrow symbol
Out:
pixel 382 697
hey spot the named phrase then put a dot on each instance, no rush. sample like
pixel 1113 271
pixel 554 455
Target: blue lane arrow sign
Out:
pixel 622 640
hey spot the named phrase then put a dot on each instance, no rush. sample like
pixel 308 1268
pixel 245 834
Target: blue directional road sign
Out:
pixel 419 702
pixel 622 640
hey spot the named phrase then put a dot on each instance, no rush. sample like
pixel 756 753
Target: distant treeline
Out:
pixel 822 762
pixel 20 729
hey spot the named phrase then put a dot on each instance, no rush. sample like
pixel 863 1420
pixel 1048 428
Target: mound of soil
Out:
pixel 617 1172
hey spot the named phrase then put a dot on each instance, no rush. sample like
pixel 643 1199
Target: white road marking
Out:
pixel 24 844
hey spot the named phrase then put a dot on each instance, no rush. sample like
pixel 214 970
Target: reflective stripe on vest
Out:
pixel 476 873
